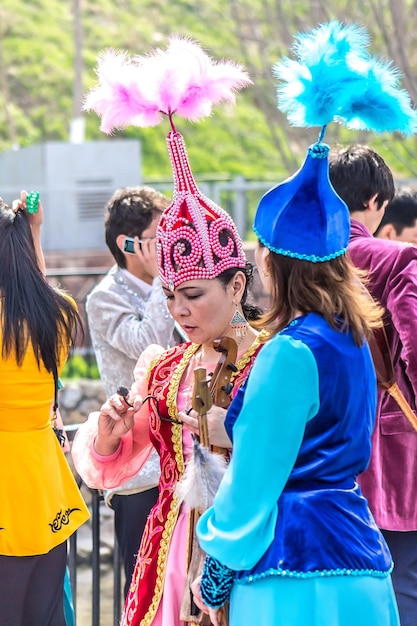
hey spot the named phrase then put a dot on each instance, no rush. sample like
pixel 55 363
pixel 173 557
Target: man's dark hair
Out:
pixel 401 211
pixel 129 212
pixel 358 173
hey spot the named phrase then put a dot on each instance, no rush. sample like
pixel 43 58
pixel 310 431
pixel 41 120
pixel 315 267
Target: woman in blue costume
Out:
pixel 290 534
pixel 290 539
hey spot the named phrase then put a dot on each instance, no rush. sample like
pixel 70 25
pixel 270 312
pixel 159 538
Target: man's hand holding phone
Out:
pixel 145 250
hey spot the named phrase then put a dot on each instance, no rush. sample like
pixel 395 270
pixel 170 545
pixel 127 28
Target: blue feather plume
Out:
pixel 336 79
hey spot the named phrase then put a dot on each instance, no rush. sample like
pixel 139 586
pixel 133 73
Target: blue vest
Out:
pixel 324 525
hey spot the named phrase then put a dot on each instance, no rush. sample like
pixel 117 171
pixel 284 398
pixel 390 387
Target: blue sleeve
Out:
pixel 282 394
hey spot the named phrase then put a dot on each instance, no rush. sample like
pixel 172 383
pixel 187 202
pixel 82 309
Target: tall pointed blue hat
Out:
pixel 333 79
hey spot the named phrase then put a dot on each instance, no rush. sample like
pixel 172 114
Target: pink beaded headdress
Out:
pixel 196 238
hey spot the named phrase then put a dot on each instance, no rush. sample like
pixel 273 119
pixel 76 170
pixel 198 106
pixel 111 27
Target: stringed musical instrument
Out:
pixel 220 384
pixel 202 401
pixel 207 392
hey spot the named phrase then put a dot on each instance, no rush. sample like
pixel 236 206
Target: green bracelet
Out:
pixel 32 201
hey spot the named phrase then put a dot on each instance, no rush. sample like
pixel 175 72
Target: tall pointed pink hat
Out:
pixel 196 238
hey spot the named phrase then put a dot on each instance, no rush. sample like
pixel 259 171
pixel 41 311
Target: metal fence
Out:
pixel 73 562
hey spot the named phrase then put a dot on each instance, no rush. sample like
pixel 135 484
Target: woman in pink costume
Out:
pixel 205 276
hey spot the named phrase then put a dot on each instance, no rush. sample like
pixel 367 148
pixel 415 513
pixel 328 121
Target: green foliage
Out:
pixel 78 366
pixel 37 62
pixel 38 79
pixel 36 67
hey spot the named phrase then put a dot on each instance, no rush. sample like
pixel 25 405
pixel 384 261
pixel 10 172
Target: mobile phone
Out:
pixel 129 245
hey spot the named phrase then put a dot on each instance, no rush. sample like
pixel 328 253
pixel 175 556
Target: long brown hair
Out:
pixel 334 289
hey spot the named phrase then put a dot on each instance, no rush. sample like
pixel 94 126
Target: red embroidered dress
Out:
pixel 148 579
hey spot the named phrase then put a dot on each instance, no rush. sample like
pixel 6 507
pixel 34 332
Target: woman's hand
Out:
pixel 213 613
pixel 115 420
pixel 215 421
pixel 35 222
pixel 35 219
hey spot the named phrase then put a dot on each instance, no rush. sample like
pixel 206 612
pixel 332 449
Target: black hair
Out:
pixel 250 311
pixel 357 174
pixel 32 311
pixel 129 212
pixel 401 211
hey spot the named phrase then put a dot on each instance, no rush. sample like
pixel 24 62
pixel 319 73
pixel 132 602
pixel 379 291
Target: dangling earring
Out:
pixel 239 325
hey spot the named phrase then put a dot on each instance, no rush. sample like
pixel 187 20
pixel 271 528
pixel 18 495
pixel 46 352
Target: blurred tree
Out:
pixel 265 30
pixel 42 73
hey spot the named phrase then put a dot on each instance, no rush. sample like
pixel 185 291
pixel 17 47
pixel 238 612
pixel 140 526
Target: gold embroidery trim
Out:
pixel 244 360
pixel 153 364
pixel 174 508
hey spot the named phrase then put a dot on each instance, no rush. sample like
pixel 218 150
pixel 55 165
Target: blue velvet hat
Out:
pixel 334 79
pixel 303 217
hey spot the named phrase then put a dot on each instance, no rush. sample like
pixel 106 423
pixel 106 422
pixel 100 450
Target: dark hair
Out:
pixel 332 289
pixel 358 173
pixel 31 310
pixel 250 311
pixel 129 212
pixel 401 211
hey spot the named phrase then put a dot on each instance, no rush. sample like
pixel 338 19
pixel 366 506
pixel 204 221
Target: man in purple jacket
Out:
pixel 364 181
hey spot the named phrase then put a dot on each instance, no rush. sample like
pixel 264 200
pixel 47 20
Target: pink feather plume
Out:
pixel 182 80
pixel 118 98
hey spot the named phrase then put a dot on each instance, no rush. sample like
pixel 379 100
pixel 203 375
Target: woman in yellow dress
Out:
pixel 41 505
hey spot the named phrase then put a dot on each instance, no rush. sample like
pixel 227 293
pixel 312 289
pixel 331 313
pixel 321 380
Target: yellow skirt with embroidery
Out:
pixel 40 503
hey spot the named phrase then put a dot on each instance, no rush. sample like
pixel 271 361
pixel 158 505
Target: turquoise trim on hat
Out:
pixel 294 255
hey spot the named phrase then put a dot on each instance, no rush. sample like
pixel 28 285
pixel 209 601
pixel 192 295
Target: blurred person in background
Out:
pixel 400 218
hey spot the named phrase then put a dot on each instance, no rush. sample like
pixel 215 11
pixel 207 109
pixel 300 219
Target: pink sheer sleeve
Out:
pixel 107 472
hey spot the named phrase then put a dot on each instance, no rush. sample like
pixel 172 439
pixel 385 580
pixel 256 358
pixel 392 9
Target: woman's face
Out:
pixel 262 263
pixel 204 308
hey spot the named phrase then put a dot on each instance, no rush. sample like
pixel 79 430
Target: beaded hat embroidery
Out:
pixel 196 239
pixel 333 79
